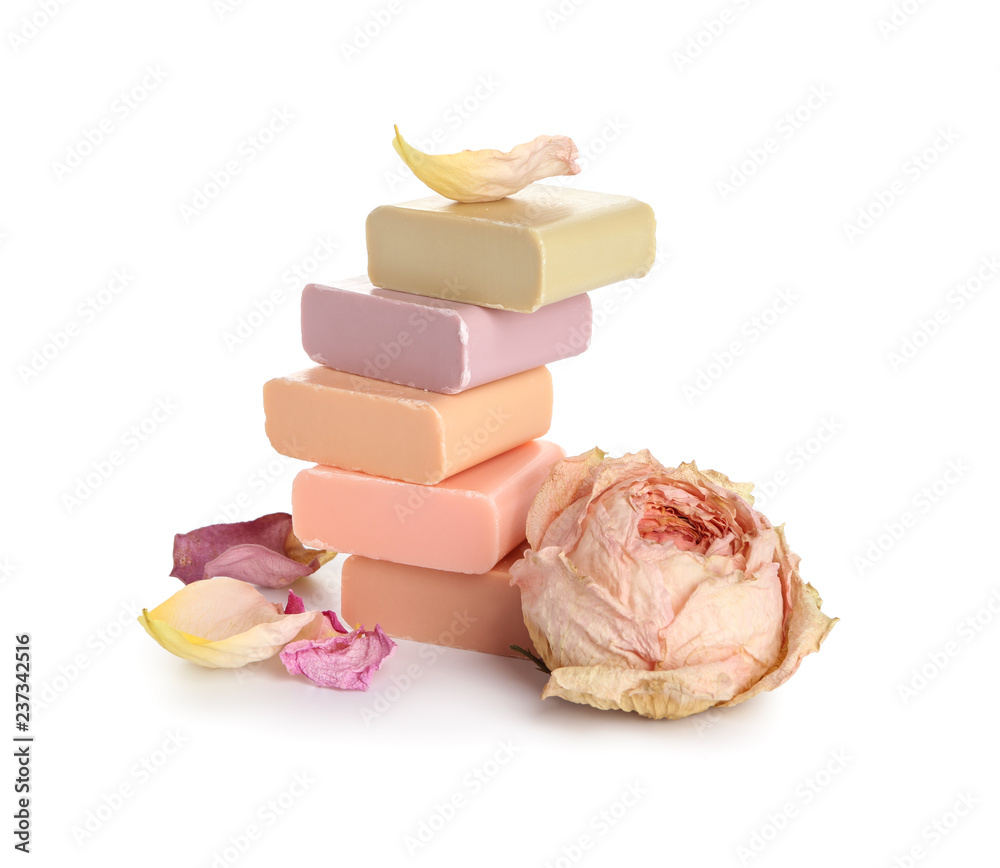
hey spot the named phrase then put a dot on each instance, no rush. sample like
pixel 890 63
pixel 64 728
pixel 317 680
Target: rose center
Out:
pixel 661 523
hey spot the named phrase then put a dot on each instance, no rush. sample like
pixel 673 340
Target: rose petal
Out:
pixel 732 616
pixel 335 622
pixel 659 694
pixel 806 626
pixel 264 552
pixel 489 175
pixel 346 662
pixel 689 469
pixel 295 605
pixel 565 484
pixel 259 566
pixel 226 623
pixel 600 628
pixel 196 548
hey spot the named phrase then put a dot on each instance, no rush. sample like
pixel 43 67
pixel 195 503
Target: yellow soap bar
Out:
pixel 534 248
pixel 357 423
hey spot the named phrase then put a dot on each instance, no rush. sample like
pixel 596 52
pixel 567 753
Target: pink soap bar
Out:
pixel 476 613
pixel 464 524
pixel 435 344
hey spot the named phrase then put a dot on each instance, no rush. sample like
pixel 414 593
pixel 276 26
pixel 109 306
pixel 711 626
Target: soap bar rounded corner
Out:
pixel 373 214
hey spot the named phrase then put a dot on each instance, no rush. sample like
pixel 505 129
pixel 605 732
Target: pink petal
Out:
pixel 347 662
pixel 571 618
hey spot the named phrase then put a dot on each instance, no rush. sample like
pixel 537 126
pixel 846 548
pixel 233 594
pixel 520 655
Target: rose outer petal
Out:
pixel 565 483
pixel 346 662
pixel 806 629
pixel 295 605
pixel 671 694
pixel 582 621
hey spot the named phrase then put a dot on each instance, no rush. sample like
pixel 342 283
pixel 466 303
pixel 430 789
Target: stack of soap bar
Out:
pixel 430 391
pixel 465 524
pixel 477 613
pixel 429 343
pixel 530 249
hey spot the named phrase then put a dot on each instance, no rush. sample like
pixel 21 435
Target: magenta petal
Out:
pixel 195 549
pixel 294 606
pixel 336 623
pixel 347 662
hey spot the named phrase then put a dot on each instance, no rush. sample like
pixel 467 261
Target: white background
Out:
pixel 200 754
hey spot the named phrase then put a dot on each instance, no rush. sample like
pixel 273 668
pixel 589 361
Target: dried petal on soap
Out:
pixel 488 175
pixel 226 623
pixel 346 662
pixel 263 552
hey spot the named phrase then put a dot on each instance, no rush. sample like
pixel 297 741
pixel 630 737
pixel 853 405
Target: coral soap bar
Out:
pixel 357 423
pixel 531 249
pixel 464 524
pixel 429 343
pixel 477 613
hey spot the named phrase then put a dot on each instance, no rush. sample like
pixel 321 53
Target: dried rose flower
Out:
pixel 660 590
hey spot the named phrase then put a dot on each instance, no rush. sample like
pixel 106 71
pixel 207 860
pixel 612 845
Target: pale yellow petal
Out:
pixel 225 623
pixel 488 175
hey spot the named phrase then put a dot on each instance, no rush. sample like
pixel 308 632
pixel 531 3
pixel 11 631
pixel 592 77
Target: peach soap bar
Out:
pixel 431 343
pixel 357 423
pixel 477 613
pixel 464 524
pixel 531 249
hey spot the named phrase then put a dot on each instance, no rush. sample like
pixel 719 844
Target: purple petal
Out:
pixel 252 551
pixel 193 550
pixel 347 662
pixel 259 566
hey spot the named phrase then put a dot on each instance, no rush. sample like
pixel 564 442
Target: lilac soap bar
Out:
pixel 435 344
